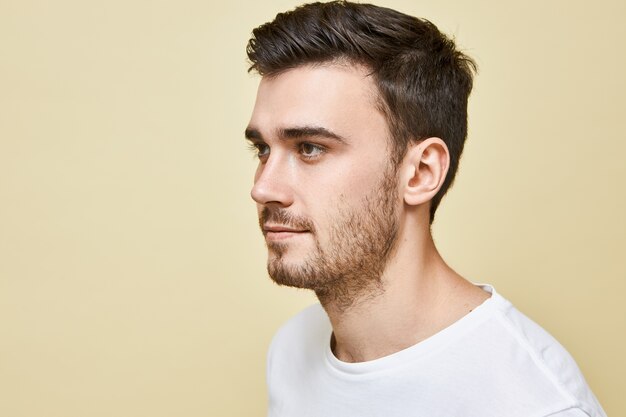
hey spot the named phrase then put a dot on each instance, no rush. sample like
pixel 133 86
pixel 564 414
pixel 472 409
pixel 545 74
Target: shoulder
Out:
pixel 309 330
pixel 310 323
pixel 548 357
pixel 298 345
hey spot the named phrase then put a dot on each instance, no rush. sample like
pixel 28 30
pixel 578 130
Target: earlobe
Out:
pixel 426 165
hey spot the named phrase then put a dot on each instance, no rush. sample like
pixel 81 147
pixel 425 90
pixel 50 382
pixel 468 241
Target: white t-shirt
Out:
pixel 492 362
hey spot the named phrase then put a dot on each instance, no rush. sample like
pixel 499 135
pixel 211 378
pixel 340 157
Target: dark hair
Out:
pixel 423 80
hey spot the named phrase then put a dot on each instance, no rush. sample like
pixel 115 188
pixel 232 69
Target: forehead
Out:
pixel 338 97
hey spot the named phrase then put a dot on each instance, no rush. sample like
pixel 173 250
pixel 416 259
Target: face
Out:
pixel 325 189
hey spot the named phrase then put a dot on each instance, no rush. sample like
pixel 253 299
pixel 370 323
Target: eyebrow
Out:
pixel 297 132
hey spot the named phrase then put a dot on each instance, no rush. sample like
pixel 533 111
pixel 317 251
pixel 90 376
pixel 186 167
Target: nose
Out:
pixel 272 183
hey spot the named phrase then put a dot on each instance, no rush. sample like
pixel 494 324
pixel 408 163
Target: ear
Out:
pixel 424 170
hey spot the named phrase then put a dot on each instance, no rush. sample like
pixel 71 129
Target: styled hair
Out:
pixel 423 81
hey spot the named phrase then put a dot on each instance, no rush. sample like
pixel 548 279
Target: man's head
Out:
pixel 358 115
pixel 423 82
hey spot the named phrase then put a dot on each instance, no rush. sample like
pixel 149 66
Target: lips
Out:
pixel 281 229
pixel 276 233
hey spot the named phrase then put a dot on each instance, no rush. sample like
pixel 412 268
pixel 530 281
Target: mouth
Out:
pixel 276 232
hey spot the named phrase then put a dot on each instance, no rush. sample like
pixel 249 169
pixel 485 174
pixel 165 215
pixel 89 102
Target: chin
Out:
pixel 292 274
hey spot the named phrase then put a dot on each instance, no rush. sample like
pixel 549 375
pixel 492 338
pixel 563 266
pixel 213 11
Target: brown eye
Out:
pixel 309 150
pixel 262 149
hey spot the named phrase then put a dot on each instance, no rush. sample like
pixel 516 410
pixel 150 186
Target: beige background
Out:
pixel 132 279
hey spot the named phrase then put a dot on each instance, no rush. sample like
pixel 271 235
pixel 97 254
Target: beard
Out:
pixel 350 265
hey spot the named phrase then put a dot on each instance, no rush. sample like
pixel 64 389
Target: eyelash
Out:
pixel 255 148
pixel 258 148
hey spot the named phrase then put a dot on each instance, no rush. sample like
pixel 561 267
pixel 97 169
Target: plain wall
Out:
pixel 132 271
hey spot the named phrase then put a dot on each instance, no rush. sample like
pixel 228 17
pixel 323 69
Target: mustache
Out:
pixel 285 218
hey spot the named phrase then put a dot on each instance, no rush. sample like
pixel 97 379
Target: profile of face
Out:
pixel 326 191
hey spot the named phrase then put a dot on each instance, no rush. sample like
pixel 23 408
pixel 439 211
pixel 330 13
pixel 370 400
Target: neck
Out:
pixel 417 296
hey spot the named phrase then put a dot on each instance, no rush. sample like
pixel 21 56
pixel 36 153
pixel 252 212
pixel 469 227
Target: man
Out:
pixel 359 124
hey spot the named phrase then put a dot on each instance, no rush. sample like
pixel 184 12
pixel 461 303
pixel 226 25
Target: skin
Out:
pixel 319 196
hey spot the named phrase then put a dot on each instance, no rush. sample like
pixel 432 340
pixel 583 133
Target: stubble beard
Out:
pixel 350 266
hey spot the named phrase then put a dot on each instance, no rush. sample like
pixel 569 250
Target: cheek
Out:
pixel 355 184
pixel 340 185
pixel 328 197
pixel 334 201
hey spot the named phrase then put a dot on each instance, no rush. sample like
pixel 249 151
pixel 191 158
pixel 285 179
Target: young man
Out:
pixel 359 124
